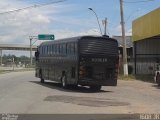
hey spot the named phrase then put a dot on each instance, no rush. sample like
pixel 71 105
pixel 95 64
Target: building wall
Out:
pixel 147 55
pixel 146 38
pixel 149 46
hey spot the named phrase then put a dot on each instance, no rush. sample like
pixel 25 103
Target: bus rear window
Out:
pixel 98 46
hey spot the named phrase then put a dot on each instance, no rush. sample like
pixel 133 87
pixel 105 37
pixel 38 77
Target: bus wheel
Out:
pixel 95 87
pixel 64 82
pixel 41 78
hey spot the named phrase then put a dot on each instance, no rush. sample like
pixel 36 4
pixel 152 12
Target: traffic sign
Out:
pixel 45 37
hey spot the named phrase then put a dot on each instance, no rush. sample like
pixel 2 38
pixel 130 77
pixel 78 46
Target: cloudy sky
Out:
pixel 66 19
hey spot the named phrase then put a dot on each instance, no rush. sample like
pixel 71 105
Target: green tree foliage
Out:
pixel 22 60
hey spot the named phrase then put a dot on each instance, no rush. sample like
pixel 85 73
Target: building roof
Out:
pixel 147 26
pixel 129 42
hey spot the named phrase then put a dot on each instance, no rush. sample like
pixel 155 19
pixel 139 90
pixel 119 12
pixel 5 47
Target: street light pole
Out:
pixel 125 65
pixel 1 57
pixel 105 26
pixel 31 51
pixel 97 19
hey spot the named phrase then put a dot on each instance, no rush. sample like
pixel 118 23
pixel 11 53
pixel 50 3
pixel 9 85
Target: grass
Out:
pixel 4 71
pixel 18 70
pixel 145 78
pixel 127 78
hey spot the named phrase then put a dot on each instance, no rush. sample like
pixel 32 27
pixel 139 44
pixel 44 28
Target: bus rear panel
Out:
pixel 98 61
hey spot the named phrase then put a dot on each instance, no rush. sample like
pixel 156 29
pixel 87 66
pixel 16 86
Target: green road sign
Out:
pixel 45 37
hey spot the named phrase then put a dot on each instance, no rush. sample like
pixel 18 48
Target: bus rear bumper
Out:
pixel 89 82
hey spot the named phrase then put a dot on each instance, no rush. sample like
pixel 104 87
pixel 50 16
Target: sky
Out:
pixel 66 19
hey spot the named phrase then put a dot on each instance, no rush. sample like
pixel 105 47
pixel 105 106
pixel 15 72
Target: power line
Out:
pixel 33 6
pixel 139 1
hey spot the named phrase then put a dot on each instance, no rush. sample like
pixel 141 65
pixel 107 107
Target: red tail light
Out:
pixel 82 71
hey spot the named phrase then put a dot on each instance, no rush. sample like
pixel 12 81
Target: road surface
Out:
pixel 21 92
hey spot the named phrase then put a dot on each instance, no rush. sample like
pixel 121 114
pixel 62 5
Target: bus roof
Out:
pixel 73 39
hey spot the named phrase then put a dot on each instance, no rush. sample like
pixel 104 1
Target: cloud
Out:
pixel 129 32
pixel 64 33
pixel 16 27
pixel 40 19
pixel 114 29
pixel 117 30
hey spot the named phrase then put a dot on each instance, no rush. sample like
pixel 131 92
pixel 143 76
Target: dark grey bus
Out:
pixel 87 61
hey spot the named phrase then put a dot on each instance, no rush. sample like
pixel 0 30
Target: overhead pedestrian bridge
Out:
pixel 17 47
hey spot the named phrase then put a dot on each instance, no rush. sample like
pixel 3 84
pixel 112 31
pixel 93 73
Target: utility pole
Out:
pixel 13 63
pixel 125 65
pixel 31 38
pixel 30 51
pixel 1 57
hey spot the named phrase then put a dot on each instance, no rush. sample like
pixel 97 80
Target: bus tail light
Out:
pixel 82 71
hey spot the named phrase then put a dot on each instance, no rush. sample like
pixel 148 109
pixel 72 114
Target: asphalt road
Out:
pixel 21 92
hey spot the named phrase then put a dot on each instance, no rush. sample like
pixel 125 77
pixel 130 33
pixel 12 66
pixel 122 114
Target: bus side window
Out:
pixel 40 50
pixel 64 49
pixel 47 50
pixel 58 49
pixel 41 53
pixel 74 51
pixel 72 48
pixel 52 49
pixel 73 70
pixel 61 49
pixel 75 46
pixel 43 50
pixel 68 49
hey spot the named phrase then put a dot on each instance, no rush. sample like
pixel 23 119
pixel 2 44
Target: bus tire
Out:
pixel 64 82
pixel 41 78
pixel 96 87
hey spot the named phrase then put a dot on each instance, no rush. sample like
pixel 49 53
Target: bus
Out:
pixel 85 60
